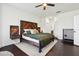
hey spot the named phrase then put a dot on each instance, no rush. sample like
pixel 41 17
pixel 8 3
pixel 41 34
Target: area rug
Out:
pixel 6 53
pixel 33 51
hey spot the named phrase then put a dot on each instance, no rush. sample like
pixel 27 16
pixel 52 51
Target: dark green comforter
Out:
pixel 44 38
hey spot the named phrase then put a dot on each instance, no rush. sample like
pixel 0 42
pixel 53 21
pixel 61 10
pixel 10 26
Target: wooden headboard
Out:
pixel 28 25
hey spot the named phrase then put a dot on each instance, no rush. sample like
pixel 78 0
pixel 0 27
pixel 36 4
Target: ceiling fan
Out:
pixel 45 5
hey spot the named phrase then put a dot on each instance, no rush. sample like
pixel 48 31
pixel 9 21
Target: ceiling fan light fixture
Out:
pixel 44 4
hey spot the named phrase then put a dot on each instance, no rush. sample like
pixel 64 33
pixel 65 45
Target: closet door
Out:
pixel 76 30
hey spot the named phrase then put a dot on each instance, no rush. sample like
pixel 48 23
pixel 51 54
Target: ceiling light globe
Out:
pixel 44 4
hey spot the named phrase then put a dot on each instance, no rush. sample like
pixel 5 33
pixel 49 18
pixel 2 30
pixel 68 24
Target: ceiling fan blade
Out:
pixel 50 4
pixel 38 5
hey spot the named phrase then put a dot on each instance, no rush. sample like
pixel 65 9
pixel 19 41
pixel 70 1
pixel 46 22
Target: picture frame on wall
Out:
pixel 14 31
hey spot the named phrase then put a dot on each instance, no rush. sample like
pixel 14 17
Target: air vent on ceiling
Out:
pixel 58 11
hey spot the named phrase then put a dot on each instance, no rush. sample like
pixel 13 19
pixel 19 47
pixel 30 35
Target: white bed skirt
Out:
pixel 30 39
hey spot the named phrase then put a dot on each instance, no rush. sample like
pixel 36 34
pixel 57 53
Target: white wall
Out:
pixel 64 21
pixel 47 27
pixel 12 16
pixel 0 27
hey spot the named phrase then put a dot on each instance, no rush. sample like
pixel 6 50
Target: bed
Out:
pixel 39 40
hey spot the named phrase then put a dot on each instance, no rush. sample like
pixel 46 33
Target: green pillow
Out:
pixel 28 32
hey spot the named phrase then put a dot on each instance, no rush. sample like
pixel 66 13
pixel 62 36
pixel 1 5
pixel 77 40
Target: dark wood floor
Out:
pixel 60 49
pixel 64 49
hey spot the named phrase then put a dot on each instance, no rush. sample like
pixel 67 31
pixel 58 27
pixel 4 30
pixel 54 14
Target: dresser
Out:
pixel 68 35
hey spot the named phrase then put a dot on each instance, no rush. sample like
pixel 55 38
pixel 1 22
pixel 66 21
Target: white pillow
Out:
pixel 34 31
pixel 26 30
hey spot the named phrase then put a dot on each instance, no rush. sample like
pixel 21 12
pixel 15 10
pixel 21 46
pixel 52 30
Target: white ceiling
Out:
pixel 51 11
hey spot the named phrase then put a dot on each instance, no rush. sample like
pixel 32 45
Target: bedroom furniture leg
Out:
pixel 20 39
pixel 40 48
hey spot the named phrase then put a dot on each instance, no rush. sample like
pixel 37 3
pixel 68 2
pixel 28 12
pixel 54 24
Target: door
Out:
pixel 76 30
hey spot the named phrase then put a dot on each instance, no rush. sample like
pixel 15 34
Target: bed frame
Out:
pixel 29 25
